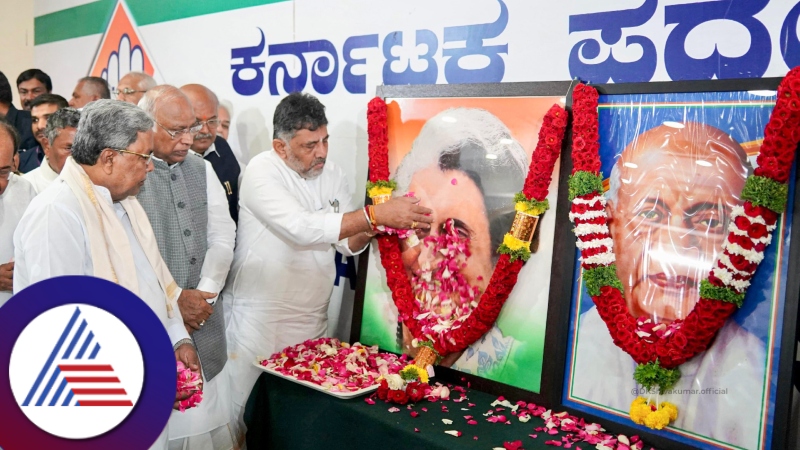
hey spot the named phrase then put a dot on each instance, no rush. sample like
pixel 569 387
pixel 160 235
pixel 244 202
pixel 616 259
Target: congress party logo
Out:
pixel 121 49
pixel 90 366
pixel 76 371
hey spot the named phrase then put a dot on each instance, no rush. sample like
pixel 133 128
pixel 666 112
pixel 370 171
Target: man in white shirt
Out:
pixel 295 211
pixel 59 134
pixel 89 223
pixel 15 195
pixel 189 212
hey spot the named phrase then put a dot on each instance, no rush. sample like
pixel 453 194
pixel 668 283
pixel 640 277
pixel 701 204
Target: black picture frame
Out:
pixel 561 270
pixel 788 339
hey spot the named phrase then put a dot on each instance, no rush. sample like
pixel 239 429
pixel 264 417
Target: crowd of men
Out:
pixel 145 191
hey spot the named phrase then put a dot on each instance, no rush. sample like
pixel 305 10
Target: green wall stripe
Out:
pixel 92 18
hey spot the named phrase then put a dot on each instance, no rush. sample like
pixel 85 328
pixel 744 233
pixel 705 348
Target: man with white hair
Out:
pixel 88 222
pixel 295 211
pixel 15 195
pixel 132 87
pixel 187 207
pixel 59 135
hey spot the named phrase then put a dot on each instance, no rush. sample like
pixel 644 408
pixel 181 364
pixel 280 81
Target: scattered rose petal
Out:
pixel 516 445
pixel 394 410
pixel 468 417
pixel 447 421
pixel 424 409
pixel 414 414
pixel 472 422
pixel 471 405
pixel 533 435
pixel 416 430
pixel 369 401
pixel 475 437
pixel 453 433
pixel 556 443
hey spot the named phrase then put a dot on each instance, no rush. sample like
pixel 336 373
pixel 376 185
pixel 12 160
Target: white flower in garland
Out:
pixel 590 228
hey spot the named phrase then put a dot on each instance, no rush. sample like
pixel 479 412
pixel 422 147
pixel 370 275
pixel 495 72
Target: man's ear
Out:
pixel 46 146
pixel 280 148
pixel 106 159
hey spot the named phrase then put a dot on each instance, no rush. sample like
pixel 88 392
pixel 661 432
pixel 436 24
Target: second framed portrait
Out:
pixel 464 152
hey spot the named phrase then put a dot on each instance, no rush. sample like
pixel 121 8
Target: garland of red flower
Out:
pixel 750 232
pixel 510 262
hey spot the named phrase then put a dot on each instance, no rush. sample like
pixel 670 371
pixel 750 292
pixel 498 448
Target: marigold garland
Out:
pixel 750 232
pixel 513 253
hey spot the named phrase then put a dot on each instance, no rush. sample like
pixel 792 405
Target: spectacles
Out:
pixel 146 158
pixel 209 122
pixel 176 134
pixel 125 91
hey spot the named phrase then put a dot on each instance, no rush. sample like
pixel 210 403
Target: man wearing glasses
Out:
pixel 15 195
pixel 131 87
pixel 88 222
pixel 187 207
pixel 211 146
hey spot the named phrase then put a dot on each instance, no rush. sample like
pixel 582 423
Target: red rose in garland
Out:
pixel 440 293
pixel 660 347
pixel 397 396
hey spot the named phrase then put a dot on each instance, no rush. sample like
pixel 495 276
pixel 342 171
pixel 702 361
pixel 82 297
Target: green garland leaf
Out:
pixel 543 205
pixel 522 253
pixel 409 374
pixel 766 192
pixel 582 183
pixel 601 276
pixel 723 294
pixel 382 183
pixel 652 375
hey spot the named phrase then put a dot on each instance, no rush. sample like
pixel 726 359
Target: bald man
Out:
pixel 88 90
pixel 132 87
pixel 671 194
pixel 209 145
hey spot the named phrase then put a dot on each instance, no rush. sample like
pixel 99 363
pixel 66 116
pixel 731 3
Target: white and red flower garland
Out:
pixel 336 366
pixel 660 349
pixel 460 334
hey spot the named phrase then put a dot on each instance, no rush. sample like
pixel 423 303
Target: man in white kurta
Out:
pixel 15 195
pixel 59 135
pixel 87 223
pixel 295 211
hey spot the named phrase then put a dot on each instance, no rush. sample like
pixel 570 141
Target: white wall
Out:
pixel 16 40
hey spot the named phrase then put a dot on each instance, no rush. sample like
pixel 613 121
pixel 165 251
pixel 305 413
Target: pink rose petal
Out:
pixel 394 410
pixel 369 401
pixel 472 422
pixel 414 414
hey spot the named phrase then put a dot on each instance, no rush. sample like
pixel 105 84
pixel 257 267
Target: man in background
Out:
pixel 133 85
pixel 20 120
pixel 15 195
pixel 88 90
pixel 213 147
pixel 187 209
pixel 42 107
pixel 31 84
pixel 59 136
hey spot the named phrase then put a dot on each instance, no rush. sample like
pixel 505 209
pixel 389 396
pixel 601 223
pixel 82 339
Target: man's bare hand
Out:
pixel 188 356
pixel 7 276
pixel 403 212
pixel 194 307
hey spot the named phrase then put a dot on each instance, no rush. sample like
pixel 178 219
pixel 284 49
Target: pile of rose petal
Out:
pixel 574 429
pixel 336 366
pixel 189 383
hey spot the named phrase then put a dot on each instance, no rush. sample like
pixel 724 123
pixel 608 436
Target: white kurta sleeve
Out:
pixel 343 193
pixel 37 258
pixel 175 327
pixel 270 201
pixel 221 236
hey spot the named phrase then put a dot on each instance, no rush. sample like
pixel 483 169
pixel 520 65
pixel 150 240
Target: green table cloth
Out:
pixel 281 414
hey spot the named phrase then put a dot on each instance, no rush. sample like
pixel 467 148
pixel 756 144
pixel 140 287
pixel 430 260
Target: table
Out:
pixel 281 414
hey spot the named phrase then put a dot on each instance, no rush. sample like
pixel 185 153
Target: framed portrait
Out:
pixel 674 159
pixel 464 151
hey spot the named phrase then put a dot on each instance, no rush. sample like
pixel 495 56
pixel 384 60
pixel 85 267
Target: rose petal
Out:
pixel 369 401
pixel 447 421
pixel 453 433
pixel 394 410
